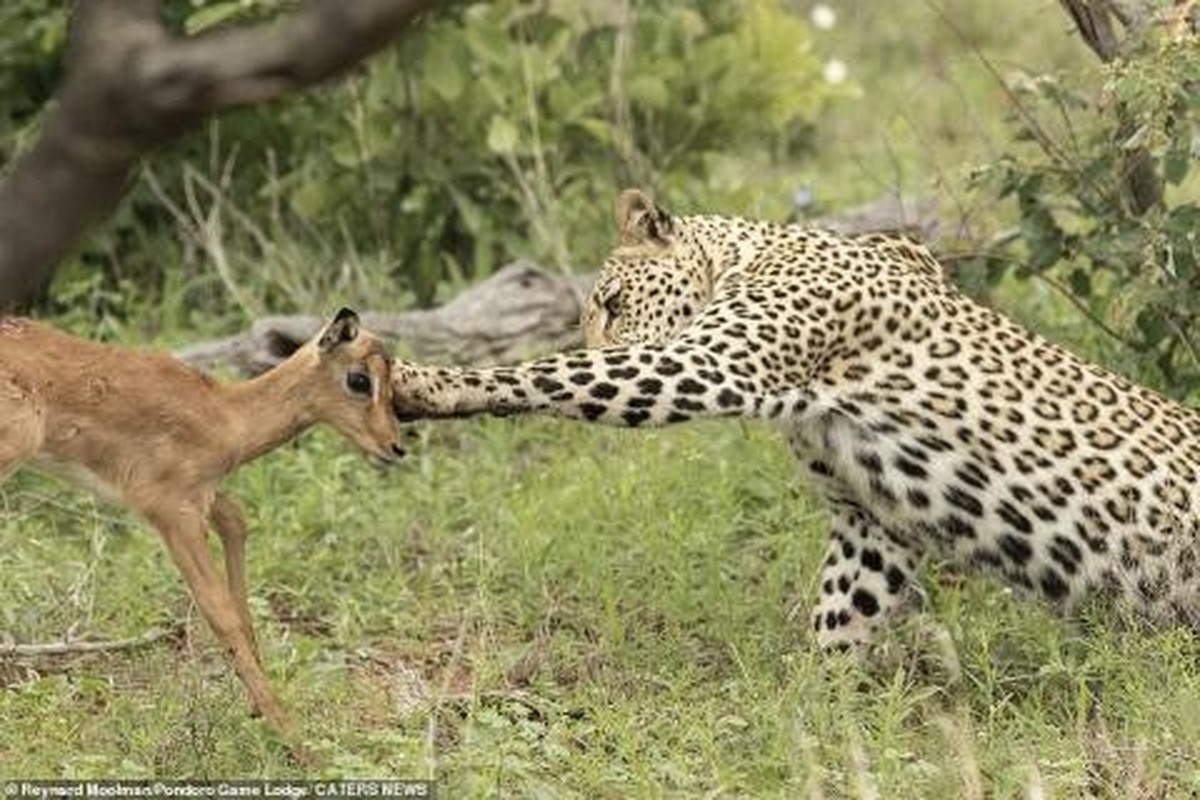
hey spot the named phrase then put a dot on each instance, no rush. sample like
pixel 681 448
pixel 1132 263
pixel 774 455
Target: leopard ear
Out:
pixel 641 221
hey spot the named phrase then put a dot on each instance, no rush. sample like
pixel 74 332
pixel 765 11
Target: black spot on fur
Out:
pixel 870 462
pixel 957 527
pixel 911 468
pixel 1053 586
pixel 604 391
pixel 651 386
pixel 728 398
pixel 1066 554
pixel 871 559
pixel 623 373
pixel 547 385
pixel 960 499
pixel 668 366
pixel 1007 512
pixel 634 417
pixel 592 411
pixel 895 579
pixel 918 498
pixel 865 602
pixel 1016 549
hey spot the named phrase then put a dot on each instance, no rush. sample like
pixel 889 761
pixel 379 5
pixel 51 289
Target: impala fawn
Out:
pixel 151 433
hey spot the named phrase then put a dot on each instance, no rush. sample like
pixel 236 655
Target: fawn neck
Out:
pixel 273 407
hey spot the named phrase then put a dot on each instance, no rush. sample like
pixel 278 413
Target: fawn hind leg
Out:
pixel 227 518
pixel 21 426
pixel 184 534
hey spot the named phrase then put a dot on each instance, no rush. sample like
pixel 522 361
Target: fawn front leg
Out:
pixel 21 426
pixel 183 530
pixel 227 518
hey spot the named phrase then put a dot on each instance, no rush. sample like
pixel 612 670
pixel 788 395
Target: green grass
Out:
pixel 542 609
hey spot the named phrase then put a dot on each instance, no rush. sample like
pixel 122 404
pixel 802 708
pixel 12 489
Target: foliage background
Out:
pixel 502 129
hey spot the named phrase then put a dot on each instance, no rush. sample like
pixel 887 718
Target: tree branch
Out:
pixel 132 86
pixel 1094 19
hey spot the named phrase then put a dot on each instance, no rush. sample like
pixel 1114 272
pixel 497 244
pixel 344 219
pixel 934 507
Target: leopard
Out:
pixel 933 426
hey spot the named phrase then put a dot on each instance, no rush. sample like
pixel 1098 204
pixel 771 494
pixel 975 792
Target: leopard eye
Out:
pixel 612 305
pixel 359 383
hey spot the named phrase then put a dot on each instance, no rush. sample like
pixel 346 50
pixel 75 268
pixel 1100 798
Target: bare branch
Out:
pixel 75 646
pixel 1094 23
pixel 132 86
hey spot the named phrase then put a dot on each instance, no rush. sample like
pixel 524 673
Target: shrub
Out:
pixel 1105 194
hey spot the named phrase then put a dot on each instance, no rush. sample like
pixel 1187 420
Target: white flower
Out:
pixel 823 17
pixel 834 70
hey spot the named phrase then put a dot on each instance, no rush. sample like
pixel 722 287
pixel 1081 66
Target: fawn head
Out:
pixel 354 389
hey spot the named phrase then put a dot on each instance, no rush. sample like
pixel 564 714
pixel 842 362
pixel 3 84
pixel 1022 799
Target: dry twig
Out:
pixel 76 646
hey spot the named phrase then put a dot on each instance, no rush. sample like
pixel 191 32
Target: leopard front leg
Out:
pixel 638 385
pixel 868 577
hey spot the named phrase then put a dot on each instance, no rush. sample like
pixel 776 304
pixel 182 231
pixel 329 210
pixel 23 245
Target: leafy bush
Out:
pixel 32 35
pixel 1107 203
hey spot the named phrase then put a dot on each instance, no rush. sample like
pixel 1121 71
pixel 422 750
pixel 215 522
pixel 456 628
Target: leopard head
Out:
pixel 653 283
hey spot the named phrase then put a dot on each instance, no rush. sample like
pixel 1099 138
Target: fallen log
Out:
pixel 520 310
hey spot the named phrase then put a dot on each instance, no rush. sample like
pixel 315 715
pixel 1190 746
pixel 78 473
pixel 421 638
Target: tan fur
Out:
pixel 155 435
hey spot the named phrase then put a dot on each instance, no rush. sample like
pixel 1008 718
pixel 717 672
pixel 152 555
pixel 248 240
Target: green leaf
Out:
pixel 1081 283
pixel 1152 326
pixel 345 153
pixel 1176 163
pixel 600 129
pixel 502 136
pixel 54 31
pixel 649 91
pixel 210 16
pixel 472 216
pixel 310 198
pixel 443 72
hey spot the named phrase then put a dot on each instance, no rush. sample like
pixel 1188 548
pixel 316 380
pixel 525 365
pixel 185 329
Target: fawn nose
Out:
pixel 397 451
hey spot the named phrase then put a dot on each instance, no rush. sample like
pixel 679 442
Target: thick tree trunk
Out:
pixel 132 86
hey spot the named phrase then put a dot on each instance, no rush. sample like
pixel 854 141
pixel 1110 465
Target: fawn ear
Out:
pixel 344 328
pixel 640 220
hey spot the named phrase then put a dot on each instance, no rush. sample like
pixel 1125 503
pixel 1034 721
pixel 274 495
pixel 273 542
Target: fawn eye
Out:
pixel 359 382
